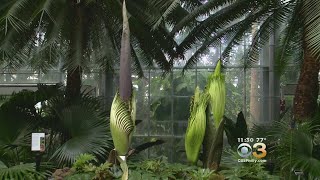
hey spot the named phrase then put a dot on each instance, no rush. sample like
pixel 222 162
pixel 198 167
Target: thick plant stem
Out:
pixel 306 95
pixel 124 167
pixel 217 147
pixel 208 138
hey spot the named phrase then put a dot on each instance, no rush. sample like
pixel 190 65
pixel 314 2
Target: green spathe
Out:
pixel 122 123
pixel 196 125
pixel 217 90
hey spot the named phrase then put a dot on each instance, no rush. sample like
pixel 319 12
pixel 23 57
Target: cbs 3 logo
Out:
pixel 245 150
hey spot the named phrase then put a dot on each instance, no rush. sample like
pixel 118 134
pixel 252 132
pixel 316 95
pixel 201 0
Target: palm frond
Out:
pixel 291 145
pixel 216 22
pixel 290 40
pixel 269 24
pixel 10 15
pixel 88 130
pixel 213 23
pixel 137 67
pixel 310 11
pixel 229 32
pixel 199 11
pixel 22 171
pixel 191 4
pixel 168 9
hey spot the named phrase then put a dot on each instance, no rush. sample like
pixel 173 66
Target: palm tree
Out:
pixel 85 32
pixel 230 20
pixel 71 129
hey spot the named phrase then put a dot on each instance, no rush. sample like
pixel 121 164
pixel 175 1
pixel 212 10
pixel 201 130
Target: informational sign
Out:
pixel 38 142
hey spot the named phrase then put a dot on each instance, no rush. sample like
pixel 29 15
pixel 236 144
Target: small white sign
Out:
pixel 38 142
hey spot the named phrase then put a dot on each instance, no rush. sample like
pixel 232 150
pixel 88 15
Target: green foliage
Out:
pixel 80 176
pixel 160 169
pixel 21 171
pixel 202 174
pixel 240 170
pixel 70 129
pixel 83 162
pixel 292 146
pixel 19 117
pixel 82 43
pixel 104 172
pixel 83 126
pixel 231 21
pixel 295 150
pixel 85 167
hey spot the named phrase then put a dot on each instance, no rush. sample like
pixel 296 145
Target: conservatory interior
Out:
pixel 159 89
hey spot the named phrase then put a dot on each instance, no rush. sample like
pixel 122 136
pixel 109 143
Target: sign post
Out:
pixel 38 146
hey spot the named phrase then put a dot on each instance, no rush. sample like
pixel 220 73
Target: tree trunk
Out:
pixel 76 51
pixel 254 91
pixel 73 83
pixel 254 99
pixel 306 95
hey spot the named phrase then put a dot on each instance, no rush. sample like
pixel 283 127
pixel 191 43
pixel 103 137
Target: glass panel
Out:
pixel 291 75
pixel 142 129
pixel 202 77
pixel 180 128
pixel 209 59
pixel 143 114
pixel 160 85
pixel 22 78
pixel 181 108
pixel 160 128
pixel 234 90
pixel 91 79
pixel 184 85
pixel 235 57
pixel 141 85
pixel 51 77
pixel 160 108
pixel 257 90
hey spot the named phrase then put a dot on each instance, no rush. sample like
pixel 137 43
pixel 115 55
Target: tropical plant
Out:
pixel 196 126
pixel 231 20
pixel 292 146
pixel 70 129
pixel 83 162
pixel 21 171
pixel 19 117
pixel 86 167
pixel 76 129
pixel 123 109
pixel 159 168
pixel 206 128
pixel 81 32
pixel 235 130
pixel 233 169
pixel 237 171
